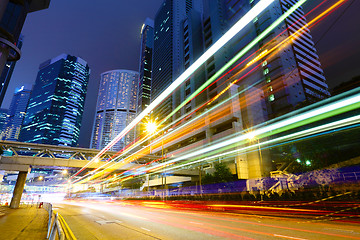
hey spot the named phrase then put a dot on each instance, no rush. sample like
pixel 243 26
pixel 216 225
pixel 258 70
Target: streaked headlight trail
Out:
pixel 275 127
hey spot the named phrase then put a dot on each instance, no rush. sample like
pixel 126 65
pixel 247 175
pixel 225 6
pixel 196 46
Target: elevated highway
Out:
pixel 20 156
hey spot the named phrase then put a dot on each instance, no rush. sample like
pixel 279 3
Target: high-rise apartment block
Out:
pixel 56 104
pixel 16 113
pixel 116 108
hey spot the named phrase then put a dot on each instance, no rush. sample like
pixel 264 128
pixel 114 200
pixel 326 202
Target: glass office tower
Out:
pixel 16 113
pixel 56 104
pixel 116 108
pixel 145 70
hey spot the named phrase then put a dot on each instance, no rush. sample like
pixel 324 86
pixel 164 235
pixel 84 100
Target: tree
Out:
pixel 221 174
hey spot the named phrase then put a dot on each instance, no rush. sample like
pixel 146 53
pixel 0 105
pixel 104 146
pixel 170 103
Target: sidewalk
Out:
pixel 26 222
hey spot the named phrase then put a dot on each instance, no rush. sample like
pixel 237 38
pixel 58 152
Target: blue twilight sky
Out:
pixel 107 35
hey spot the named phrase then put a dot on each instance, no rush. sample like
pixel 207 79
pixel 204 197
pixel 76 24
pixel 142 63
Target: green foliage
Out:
pixel 222 174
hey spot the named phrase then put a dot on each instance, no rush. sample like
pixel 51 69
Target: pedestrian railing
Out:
pixel 57 227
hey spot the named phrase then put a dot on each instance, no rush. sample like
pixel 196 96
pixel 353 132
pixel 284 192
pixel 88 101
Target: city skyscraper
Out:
pixel 293 76
pixel 145 66
pixel 145 70
pixel 277 84
pixel 3 119
pixel 168 49
pixel 16 113
pixel 193 47
pixel 115 109
pixel 56 104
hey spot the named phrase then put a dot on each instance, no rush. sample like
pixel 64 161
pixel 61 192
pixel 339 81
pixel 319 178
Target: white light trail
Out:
pixel 314 130
pixel 353 100
pixel 249 16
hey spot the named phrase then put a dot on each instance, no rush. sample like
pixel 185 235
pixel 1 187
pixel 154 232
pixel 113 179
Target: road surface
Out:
pixel 155 220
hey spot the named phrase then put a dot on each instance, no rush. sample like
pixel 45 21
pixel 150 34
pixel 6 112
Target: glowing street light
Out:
pixel 64 172
pixel 151 127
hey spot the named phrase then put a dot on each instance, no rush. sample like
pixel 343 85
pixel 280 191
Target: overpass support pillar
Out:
pixel 18 190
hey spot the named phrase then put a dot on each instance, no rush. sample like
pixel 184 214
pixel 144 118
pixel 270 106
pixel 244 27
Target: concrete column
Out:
pixel 18 190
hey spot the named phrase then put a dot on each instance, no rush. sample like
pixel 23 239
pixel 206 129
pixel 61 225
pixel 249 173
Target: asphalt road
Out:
pixel 155 220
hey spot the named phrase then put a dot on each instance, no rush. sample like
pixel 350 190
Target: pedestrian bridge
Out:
pixel 19 156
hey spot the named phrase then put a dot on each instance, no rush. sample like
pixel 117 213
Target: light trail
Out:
pixel 157 142
pixel 343 106
pixel 263 54
pixel 238 56
pixel 314 115
pixel 238 26
pixel 248 17
pixel 315 130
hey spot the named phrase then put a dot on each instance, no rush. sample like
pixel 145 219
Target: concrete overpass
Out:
pixel 20 156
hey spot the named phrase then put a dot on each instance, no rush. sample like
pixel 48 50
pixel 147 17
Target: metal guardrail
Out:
pixel 57 227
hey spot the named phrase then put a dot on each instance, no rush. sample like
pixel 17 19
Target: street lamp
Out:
pixel 151 127
pixel 43 185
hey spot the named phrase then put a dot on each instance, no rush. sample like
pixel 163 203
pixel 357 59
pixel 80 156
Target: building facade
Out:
pixel 56 105
pixel 168 52
pixel 16 113
pixel 145 71
pixel 145 66
pixel 115 109
pixel 266 87
pixel 3 120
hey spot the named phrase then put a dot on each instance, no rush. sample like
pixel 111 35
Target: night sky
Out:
pixel 107 35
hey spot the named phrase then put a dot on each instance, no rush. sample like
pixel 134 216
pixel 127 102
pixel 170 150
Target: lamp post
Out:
pixel 151 128
pixel 43 184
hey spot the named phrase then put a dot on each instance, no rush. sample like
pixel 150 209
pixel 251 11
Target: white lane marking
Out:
pixel 102 222
pixel 342 230
pixel 132 215
pixel 146 229
pixel 197 223
pixel 283 236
